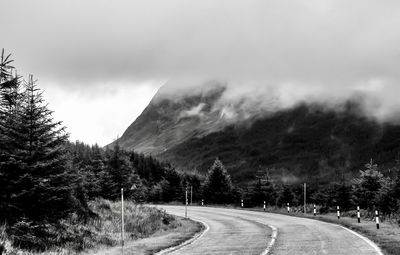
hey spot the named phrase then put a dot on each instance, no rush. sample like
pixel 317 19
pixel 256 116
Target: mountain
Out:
pixel 307 141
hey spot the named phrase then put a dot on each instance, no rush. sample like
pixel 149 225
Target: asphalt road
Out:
pixel 231 231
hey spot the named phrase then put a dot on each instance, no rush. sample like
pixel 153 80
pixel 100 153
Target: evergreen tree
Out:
pixel 119 174
pixel 387 202
pixel 41 185
pixel 9 101
pixel 285 196
pixel 218 185
pixel 366 187
pixel 172 186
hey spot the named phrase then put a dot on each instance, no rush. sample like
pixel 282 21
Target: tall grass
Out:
pixel 140 221
pixel 75 234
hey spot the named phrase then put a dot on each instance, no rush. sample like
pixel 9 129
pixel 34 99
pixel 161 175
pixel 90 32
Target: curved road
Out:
pixel 246 232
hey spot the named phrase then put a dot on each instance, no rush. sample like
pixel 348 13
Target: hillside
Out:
pixel 166 122
pixel 307 141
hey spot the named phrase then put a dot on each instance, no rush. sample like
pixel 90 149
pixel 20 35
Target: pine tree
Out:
pixel 9 86
pixel 41 185
pixel 218 185
pixel 118 174
pixel 286 196
pixel 366 187
pixel 9 101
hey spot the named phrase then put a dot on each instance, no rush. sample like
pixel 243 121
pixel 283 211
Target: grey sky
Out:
pixel 101 61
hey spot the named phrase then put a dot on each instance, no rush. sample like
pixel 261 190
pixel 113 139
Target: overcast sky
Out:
pixel 100 62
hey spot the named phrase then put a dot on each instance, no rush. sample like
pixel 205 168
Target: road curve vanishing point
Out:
pixel 231 231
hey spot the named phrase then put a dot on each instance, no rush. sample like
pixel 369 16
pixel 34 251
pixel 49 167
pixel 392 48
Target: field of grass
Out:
pixel 75 236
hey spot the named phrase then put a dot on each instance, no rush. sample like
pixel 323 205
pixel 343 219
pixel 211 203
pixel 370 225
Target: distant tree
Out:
pixel 262 189
pixel 341 195
pixel 194 180
pixel 286 196
pixel 119 173
pixel 218 185
pixel 366 187
pixel 172 186
pixel 386 200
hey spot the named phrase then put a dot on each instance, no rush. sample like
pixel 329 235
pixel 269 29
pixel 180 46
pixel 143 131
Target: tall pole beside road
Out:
pixel 191 195
pixel 305 195
pixel 122 220
pixel 186 201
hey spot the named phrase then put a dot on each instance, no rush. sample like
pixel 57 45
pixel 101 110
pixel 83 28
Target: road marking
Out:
pixel 372 244
pixel 274 235
pixel 187 242
pixel 273 239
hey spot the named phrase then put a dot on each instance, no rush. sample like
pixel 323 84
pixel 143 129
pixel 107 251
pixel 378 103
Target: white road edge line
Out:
pixel 372 244
pixel 273 239
pixel 368 241
pixel 274 235
pixel 187 242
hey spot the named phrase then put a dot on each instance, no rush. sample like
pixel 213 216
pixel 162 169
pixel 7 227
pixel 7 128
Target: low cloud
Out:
pixel 194 111
pixel 268 50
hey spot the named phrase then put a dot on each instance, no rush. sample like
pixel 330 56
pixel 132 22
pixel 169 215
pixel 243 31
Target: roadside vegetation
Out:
pixel 102 231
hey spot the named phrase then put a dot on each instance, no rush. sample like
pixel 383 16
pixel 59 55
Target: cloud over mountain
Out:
pixel 299 50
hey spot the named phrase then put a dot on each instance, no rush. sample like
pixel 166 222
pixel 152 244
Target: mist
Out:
pixel 288 52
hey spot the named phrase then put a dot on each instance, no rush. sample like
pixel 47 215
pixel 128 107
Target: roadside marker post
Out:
pixel 288 208
pixel 264 206
pixel 358 214
pixel 338 212
pixel 377 219
pixel 315 210
pixel 242 203
pixel 305 198
pixel 186 202
pixel 122 220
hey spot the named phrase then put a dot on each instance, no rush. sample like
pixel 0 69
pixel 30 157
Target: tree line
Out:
pixel 161 182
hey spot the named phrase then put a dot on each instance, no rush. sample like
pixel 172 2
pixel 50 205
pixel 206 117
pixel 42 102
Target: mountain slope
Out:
pixel 166 122
pixel 306 142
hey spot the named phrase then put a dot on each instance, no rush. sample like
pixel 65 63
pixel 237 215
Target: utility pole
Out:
pixel 186 201
pixel 122 220
pixel 191 195
pixel 305 200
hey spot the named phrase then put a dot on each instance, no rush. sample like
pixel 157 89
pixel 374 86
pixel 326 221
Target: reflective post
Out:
pixel 377 219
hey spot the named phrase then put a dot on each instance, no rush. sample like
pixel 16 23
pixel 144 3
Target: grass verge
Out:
pixel 102 232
